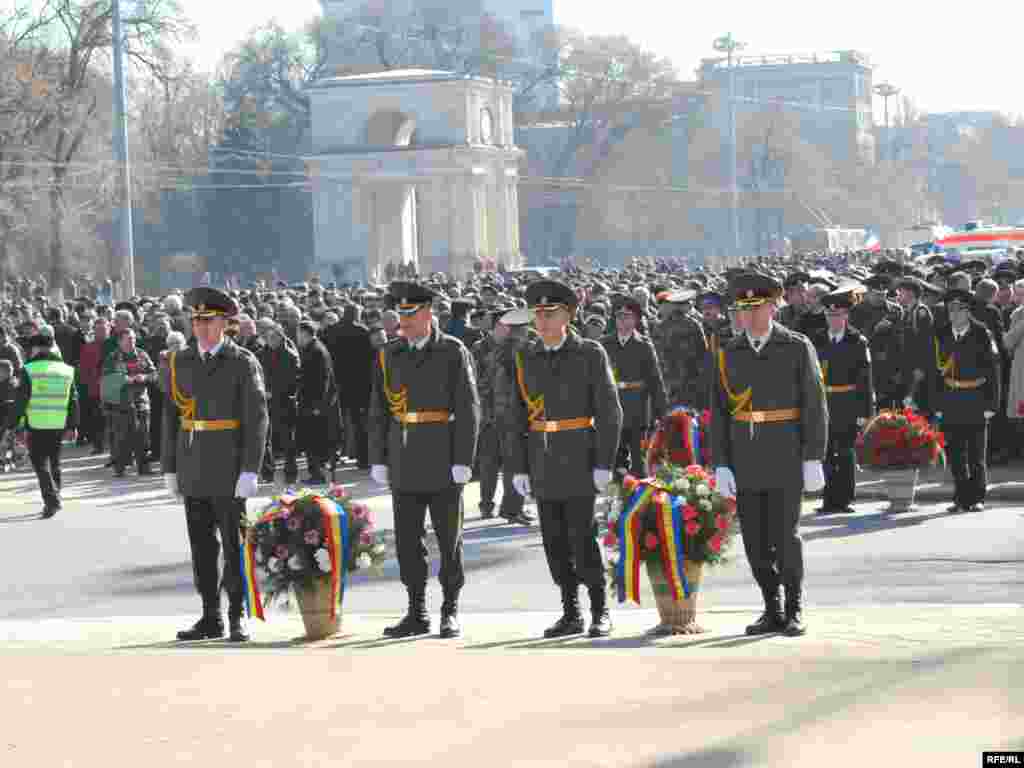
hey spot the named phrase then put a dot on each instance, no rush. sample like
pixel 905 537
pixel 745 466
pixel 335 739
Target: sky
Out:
pixel 943 56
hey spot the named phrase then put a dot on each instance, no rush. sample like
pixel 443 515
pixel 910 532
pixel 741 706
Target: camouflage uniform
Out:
pixel 682 348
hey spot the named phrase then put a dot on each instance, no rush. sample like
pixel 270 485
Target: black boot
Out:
pixel 210 627
pixel 238 629
pixel 416 621
pixel 450 618
pixel 771 620
pixel 794 613
pixel 571 622
pixel 601 620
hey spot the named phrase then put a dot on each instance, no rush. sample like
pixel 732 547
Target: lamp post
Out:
pixel 124 248
pixel 886 90
pixel 729 46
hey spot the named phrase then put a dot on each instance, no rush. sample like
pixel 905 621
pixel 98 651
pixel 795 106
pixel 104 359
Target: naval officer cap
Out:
pixel 752 289
pixel 208 303
pixel 846 297
pixel 550 294
pixel 958 296
pixel 409 298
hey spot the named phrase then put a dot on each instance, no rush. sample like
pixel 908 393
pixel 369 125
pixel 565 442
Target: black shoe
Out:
pixel 601 624
pixel 266 478
pixel 96 452
pixel 409 626
pixel 316 480
pixel 450 622
pixel 415 622
pixel 794 614
pixel 291 479
pixel 568 625
pixel 486 513
pixel 769 623
pixel 145 470
pixel 239 630
pixel 49 512
pixel 119 473
pixel 204 629
pixel 519 518
pixel 109 464
pixel 824 511
pixel 979 507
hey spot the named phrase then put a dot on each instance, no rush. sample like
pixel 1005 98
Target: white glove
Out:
pixel 602 477
pixel 379 473
pixel 814 476
pixel 938 415
pixel 861 421
pixel 725 482
pixel 246 486
pixel 522 485
pixel 171 484
pixel 461 474
pixel 989 414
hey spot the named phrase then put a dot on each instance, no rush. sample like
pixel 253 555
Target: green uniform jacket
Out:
pixel 635 362
pixel 439 377
pixel 228 387
pixel 784 375
pixel 575 382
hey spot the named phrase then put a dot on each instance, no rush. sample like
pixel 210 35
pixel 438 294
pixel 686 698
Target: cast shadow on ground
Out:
pixel 26 518
pixel 581 642
pixel 706 758
pixel 873 523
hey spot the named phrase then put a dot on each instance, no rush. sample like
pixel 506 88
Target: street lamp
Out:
pixel 886 90
pixel 124 247
pixel 729 46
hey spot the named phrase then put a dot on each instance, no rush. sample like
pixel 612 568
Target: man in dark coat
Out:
pixel 561 416
pixel 769 435
pixel 918 353
pixel 352 353
pixel 638 380
pixel 846 368
pixel 280 361
pixel 424 423
pixel 214 434
pixel 318 402
pixel 967 383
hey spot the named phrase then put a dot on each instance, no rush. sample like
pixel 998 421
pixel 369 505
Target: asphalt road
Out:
pixel 119 548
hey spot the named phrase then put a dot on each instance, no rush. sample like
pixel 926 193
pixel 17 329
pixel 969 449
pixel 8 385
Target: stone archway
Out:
pixel 414 167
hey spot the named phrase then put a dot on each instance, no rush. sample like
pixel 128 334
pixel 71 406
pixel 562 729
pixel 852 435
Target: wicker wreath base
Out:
pixel 677 617
pixel 315 607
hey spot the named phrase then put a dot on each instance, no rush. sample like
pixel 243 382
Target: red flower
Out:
pixel 651 542
pixel 705 417
pixel 610 539
pixel 721 522
pixel 690 512
pixel 711 483
pixel 630 483
pixel 695 470
pixel 715 542
pixel 692 528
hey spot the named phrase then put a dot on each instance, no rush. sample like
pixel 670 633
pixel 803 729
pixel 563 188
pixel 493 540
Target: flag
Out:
pixel 872 243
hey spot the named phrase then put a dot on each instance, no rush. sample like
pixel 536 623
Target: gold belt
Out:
pixel 562 425
pixel 425 417
pixel 209 425
pixel 767 417
pixel 837 388
pixel 964 383
pixel 631 385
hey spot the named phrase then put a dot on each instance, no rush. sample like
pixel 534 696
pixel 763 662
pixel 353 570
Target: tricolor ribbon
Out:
pixel 250 587
pixel 673 549
pixel 628 529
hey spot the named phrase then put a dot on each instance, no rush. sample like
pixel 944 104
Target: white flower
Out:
pixel 681 486
pixel 613 557
pixel 258 555
pixel 364 561
pixel 274 565
pixel 380 550
pixel 613 517
pixel 323 560
pixel 704 505
pixel 702 490
pixel 295 563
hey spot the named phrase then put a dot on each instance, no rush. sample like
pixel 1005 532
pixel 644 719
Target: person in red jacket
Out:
pixel 90 368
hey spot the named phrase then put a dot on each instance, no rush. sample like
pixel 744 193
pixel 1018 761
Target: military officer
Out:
pixel 561 415
pixel 638 379
pixel 769 435
pixel 881 321
pixel 424 422
pixel 795 287
pixel 215 431
pixel 682 349
pixel 918 351
pixel 846 367
pixel 967 384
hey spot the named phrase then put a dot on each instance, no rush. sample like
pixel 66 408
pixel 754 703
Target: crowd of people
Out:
pixel 343 380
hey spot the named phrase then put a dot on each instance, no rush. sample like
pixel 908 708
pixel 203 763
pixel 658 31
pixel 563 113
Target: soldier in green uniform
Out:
pixel 424 422
pixel 682 349
pixel 492 355
pixel 638 379
pixel 769 435
pixel 560 413
pixel 967 381
pixel 846 367
pixel 214 435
